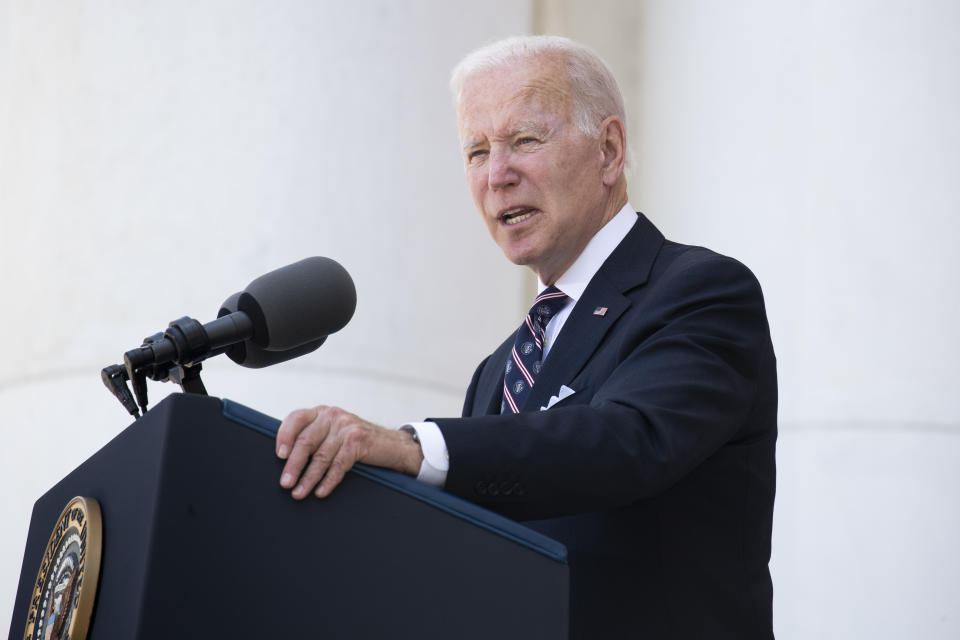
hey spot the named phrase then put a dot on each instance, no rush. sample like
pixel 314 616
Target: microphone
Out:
pixel 299 303
pixel 281 315
pixel 250 355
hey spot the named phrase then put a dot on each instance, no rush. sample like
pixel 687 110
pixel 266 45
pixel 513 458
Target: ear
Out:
pixel 613 147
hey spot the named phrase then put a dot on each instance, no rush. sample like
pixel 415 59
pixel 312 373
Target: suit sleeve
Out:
pixel 686 371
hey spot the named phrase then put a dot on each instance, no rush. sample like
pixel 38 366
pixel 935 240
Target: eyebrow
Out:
pixel 472 144
pixel 523 127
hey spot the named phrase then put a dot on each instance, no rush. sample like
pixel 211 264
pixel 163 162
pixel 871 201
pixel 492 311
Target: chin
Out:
pixel 518 256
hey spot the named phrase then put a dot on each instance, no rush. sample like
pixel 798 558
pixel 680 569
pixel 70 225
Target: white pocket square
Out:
pixel 565 392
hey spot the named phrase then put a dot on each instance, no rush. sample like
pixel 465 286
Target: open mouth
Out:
pixel 517 215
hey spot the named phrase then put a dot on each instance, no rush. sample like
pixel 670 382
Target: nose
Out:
pixel 502 173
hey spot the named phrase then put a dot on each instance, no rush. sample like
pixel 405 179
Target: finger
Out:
pixel 304 448
pixel 318 466
pixel 337 469
pixel 291 427
pixel 353 445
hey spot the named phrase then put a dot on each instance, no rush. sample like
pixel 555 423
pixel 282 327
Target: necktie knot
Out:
pixel 547 304
pixel 526 358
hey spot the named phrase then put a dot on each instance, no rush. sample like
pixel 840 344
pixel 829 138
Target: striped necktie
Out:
pixel 526 358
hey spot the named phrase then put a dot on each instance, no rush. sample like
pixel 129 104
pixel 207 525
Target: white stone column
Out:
pixel 819 143
pixel 155 157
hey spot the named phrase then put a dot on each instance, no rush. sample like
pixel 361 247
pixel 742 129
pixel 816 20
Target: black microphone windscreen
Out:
pixel 247 354
pixel 299 303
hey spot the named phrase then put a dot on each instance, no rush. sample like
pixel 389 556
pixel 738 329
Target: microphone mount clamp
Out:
pixel 174 355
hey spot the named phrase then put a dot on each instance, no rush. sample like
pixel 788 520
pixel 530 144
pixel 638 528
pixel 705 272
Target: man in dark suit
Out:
pixel 633 415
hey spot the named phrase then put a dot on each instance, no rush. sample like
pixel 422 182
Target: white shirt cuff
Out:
pixel 436 459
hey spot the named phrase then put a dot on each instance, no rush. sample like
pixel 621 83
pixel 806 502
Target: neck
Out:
pixel 613 205
pixel 616 200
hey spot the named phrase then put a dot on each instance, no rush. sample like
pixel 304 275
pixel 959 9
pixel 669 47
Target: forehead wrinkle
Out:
pixel 546 90
pixel 547 93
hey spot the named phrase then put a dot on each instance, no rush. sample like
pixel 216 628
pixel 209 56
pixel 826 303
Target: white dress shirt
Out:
pixel 573 282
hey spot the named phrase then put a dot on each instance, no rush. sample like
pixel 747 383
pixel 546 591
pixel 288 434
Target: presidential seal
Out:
pixel 66 585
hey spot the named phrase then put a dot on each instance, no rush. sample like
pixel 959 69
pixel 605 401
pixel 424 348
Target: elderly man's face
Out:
pixel 534 177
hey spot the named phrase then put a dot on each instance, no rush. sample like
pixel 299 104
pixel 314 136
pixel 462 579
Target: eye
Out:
pixel 476 154
pixel 526 140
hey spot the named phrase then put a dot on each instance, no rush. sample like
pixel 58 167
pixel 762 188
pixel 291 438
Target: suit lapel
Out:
pixel 627 267
pixel 579 338
pixel 490 385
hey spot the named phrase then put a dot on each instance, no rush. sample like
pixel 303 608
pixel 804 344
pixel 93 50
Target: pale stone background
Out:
pixel 156 156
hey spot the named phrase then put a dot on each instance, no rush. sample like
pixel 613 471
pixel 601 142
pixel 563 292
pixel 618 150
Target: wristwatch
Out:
pixel 413 433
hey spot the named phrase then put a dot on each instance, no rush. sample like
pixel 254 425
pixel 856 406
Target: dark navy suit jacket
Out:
pixel 658 473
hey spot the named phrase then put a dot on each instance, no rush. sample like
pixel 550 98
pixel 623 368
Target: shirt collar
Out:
pixel 574 280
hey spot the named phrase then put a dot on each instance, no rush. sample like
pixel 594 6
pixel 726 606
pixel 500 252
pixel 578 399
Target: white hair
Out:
pixel 594 91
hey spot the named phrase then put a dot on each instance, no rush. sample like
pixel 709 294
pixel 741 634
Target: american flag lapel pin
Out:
pixel 600 311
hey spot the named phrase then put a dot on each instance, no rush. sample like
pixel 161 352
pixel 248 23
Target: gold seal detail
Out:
pixel 66 585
